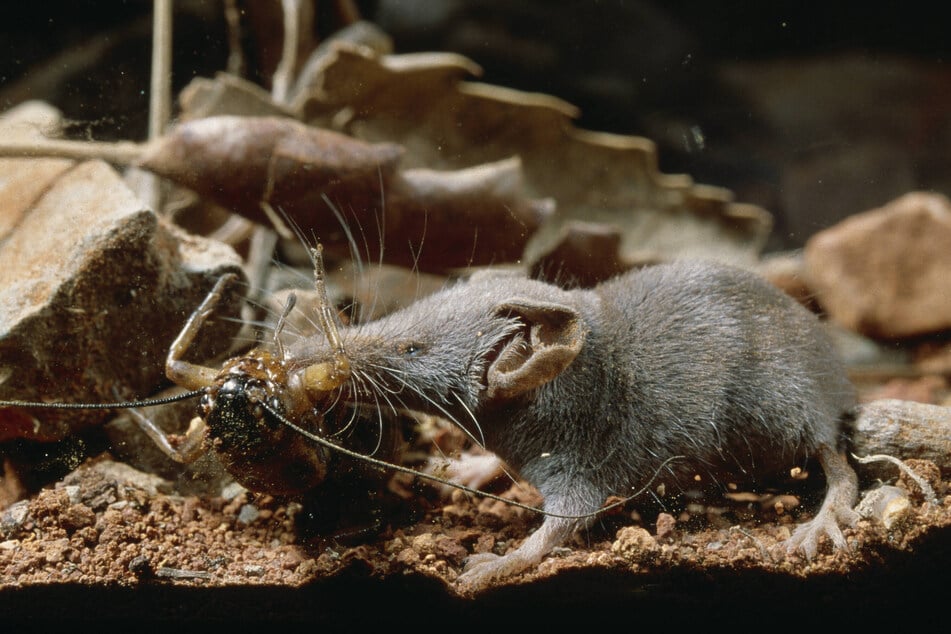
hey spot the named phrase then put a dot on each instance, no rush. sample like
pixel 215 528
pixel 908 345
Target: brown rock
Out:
pixel 666 525
pixel 885 272
pixel 924 389
pixel 93 289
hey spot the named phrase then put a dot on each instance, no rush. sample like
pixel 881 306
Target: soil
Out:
pixel 105 535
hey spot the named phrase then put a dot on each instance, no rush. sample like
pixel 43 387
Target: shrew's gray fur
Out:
pixel 586 393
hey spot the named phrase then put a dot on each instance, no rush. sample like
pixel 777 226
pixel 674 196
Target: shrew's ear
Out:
pixel 550 340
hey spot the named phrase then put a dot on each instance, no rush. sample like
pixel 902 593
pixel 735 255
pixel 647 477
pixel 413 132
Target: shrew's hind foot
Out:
pixel 836 510
pixel 482 569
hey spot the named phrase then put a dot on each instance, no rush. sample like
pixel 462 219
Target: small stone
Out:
pixel 56 550
pixel 141 566
pixel 14 516
pixel 884 272
pixel 635 544
pixel 247 514
pixel 78 516
pixel 232 490
pixel 119 473
pixel 292 559
pixel 73 492
pixel 407 557
pixel 450 550
pixel 666 524
pixel 424 543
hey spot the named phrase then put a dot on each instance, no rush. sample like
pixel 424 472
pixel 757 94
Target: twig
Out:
pixel 160 91
pixel 177 573
pixel 160 98
pixel 122 153
pixel 235 64
pixel 284 73
pixel 926 489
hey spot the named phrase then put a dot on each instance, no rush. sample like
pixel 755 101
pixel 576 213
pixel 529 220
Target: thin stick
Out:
pixel 123 153
pixel 284 73
pixel 926 489
pixel 160 97
pixel 235 64
pixel 149 186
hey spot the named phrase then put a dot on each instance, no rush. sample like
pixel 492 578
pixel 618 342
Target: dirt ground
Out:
pixel 106 534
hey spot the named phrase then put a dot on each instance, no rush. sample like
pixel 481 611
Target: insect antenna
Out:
pixel 434 478
pixel 149 402
pixel 281 321
pixel 356 257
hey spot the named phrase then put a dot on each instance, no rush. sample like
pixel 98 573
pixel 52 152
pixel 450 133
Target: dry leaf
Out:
pixel 421 102
pixel 427 219
pixel 22 181
pixel 586 254
pixel 227 95
pixel 240 162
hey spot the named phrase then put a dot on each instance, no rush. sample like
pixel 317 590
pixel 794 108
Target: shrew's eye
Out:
pixel 410 349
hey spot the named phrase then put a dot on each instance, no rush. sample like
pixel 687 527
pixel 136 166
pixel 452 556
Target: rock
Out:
pixel 93 289
pixel 885 272
pixel 636 545
pixel 905 430
pixel 929 388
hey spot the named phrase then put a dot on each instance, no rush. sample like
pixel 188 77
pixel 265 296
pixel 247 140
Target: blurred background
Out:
pixel 813 111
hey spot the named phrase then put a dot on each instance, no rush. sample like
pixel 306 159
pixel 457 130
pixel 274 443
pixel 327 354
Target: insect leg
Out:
pixel 190 375
pixel 185 452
